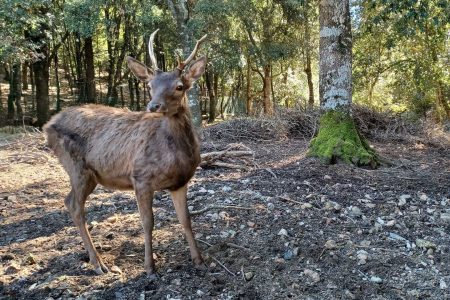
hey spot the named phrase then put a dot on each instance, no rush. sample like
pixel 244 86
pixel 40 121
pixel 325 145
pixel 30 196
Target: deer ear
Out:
pixel 195 70
pixel 141 71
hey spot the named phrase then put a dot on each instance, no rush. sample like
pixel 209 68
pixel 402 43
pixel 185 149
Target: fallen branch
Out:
pixel 197 212
pixel 223 266
pixel 235 156
pixel 290 200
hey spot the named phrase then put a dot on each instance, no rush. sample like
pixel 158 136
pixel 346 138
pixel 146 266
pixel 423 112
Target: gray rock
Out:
pixel 226 189
pixel 315 277
pixel 376 279
pixel 355 211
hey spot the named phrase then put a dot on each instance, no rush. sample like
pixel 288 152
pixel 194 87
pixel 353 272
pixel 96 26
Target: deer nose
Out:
pixel 154 106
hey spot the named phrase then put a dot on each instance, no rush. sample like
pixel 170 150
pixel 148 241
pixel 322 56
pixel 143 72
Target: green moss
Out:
pixel 339 140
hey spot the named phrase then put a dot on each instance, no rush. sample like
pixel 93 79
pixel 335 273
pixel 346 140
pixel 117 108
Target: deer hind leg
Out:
pixel 144 197
pixel 82 186
pixel 180 203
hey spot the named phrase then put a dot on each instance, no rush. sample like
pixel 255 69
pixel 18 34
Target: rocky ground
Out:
pixel 289 227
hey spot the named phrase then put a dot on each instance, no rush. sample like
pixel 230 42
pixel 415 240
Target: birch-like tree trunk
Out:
pixel 335 78
pixel 338 138
pixel 181 13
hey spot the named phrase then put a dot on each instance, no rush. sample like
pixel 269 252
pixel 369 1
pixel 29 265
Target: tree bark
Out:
pixel 41 77
pixel 338 138
pixel 25 76
pixel 180 11
pixel 209 78
pixel 89 69
pixel 14 107
pixel 307 46
pixel 249 97
pixel 335 87
pixel 267 90
pixel 58 88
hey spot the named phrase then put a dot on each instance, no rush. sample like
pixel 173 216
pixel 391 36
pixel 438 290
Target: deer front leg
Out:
pixel 145 201
pixel 180 203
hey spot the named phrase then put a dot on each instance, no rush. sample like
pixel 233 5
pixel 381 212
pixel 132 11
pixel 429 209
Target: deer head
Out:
pixel 168 89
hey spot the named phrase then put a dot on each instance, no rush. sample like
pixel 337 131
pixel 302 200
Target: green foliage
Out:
pixel 82 16
pixel 401 54
pixel 339 140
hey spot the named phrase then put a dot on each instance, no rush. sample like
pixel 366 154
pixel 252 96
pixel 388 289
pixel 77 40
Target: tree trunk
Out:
pixel 180 11
pixel 41 76
pixel 267 90
pixel 307 45
pixel 58 88
pixel 25 77
pixel 249 97
pixel 338 138
pixel 14 93
pixel 209 77
pixel 131 91
pixel 138 95
pixel 33 88
pixel 90 71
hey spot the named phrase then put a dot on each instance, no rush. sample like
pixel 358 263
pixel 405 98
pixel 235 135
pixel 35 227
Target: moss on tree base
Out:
pixel 339 140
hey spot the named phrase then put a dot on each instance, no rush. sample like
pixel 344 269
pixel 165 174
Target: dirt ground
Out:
pixel 289 228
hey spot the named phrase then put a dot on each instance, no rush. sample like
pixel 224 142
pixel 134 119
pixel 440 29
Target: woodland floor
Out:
pixel 342 233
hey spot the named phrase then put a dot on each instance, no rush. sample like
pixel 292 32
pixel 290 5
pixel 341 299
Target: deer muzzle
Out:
pixel 156 106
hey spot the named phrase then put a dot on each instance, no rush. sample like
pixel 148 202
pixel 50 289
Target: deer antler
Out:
pixel 183 64
pixel 151 52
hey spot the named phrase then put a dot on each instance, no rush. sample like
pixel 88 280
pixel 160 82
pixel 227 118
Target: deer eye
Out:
pixel 179 87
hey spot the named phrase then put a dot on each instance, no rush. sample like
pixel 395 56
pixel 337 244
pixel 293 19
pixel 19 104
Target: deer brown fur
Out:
pixel 126 150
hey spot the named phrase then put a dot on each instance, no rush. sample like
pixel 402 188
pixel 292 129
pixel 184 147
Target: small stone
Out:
pixel 327 177
pixel 289 254
pixel 442 284
pixel 270 206
pixel 176 281
pixel 394 236
pixel 355 211
pixel 331 205
pixel 211 192
pixel 200 293
pixel 224 234
pixel 445 217
pixel 12 268
pixel 248 276
pixel 223 215
pixel 376 279
pixel 279 260
pixel 390 223
pixel 226 189
pixel 423 197
pixel 315 277
pixel 251 224
pixel 116 270
pixel 112 219
pixel 306 206
pixel 30 259
pixel 403 199
pixel 214 216
pixel 362 256
pixel 421 243
pixel 202 190
pixel 330 244
pixel 12 198
pixel 283 232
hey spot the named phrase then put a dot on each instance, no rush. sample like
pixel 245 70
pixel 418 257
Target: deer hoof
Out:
pixel 102 269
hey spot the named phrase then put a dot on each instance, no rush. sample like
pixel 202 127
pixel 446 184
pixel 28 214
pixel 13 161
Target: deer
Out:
pixel 148 151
